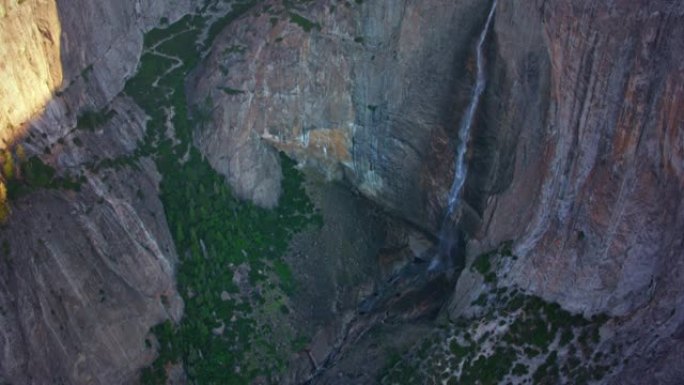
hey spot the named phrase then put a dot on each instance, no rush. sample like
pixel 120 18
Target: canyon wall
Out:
pixel 592 194
pixel 30 62
pixel 85 272
pixel 60 58
pixel 366 92
pixel 597 176
pixel 576 156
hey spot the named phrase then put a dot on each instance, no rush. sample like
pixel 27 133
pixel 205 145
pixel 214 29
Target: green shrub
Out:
pixel 306 24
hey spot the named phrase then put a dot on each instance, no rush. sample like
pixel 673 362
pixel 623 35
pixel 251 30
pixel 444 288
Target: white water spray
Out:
pixel 446 237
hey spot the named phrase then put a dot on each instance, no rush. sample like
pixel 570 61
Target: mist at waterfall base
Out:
pixel 450 239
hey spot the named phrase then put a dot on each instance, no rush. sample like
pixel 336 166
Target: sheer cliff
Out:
pixel 594 203
pixel 576 155
pixel 366 92
pixel 124 119
pixel 83 269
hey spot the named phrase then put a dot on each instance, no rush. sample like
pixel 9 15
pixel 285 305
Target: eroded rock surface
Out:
pixel 367 91
pixel 576 156
pixel 593 192
pixel 85 273
pixel 32 71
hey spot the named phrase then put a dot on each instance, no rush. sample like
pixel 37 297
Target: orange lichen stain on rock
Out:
pixel 331 143
pixel 30 62
pixel 600 190
pixel 671 124
pixel 628 125
pixel 326 144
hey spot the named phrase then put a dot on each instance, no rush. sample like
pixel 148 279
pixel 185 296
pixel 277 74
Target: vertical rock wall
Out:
pixel 30 61
pixel 589 95
pixel 367 92
pixel 597 176
pixel 84 274
pixel 577 156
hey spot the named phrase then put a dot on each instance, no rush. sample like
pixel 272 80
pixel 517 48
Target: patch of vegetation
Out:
pixel 238 9
pixel 21 176
pixel 36 175
pixel 482 264
pixel 230 251
pixel 85 73
pixel 231 91
pixel 189 22
pixel 547 373
pixel 514 338
pixel 306 24
pixel 237 48
pixel 489 370
pixel 300 343
pixel 459 350
pixel 520 370
pixel 90 120
pixel 215 233
pixel 566 337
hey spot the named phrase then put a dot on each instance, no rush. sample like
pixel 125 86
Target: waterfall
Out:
pixel 446 233
pixel 467 121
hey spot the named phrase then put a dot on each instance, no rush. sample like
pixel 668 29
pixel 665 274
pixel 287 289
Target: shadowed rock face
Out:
pixel 86 273
pixel 368 95
pixel 577 155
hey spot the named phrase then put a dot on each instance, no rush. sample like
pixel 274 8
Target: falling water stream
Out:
pixel 411 284
pixel 447 236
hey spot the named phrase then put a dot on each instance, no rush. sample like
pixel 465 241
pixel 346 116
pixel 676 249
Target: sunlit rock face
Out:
pixel 60 59
pixel 30 62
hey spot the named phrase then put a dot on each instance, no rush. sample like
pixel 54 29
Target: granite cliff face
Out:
pixel 31 63
pixel 576 156
pixel 600 160
pixel 61 59
pixel 366 92
pixel 597 177
pixel 83 272
pixel 86 273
